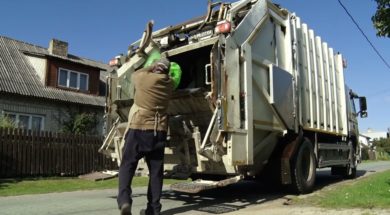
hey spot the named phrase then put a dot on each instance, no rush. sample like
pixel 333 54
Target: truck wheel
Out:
pixel 304 168
pixel 349 171
pixel 352 173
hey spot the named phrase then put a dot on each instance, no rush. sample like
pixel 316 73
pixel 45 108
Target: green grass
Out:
pixel 370 192
pixel 14 187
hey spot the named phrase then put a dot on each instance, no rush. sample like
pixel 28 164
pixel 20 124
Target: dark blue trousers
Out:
pixel 139 144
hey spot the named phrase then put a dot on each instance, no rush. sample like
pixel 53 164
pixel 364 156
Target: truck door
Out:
pixel 352 116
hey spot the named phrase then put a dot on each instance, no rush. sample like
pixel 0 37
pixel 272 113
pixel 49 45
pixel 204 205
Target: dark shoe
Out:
pixel 126 209
pixel 147 212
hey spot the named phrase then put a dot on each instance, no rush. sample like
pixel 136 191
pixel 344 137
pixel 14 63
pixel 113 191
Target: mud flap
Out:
pixel 201 185
pixel 287 154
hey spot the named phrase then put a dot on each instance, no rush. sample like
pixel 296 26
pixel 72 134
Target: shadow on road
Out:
pixel 222 200
pixel 239 196
pixel 324 178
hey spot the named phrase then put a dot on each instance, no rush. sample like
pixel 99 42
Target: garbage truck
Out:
pixel 260 97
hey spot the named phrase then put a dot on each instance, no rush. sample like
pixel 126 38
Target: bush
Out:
pixel 6 122
pixel 383 143
pixel 381 154
pixel 382 148
pixel 83 123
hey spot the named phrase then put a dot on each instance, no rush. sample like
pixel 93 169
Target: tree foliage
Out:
pixel 6 122
pixel 381 19
pixel 80 123
pixel 383 143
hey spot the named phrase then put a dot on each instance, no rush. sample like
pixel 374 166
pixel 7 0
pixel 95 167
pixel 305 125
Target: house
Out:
pixel 41 89
pixel 376 135
pixel 365 141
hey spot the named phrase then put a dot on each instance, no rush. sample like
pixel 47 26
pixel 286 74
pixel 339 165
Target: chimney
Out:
pixel 58 47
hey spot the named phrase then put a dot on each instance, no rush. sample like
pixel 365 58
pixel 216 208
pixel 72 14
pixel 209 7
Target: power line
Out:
pixel 372 45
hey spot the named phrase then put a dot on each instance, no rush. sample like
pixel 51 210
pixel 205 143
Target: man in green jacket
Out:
pixel 146 134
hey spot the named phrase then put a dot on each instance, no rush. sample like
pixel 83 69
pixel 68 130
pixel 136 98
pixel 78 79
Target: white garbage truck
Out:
pixel 260 97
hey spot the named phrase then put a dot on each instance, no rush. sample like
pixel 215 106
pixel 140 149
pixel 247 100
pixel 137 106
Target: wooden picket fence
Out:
pixel 26 153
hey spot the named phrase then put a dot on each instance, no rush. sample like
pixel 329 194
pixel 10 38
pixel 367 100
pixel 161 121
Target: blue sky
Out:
pixel 101 29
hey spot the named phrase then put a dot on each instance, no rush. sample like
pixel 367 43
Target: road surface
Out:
pixel 241 198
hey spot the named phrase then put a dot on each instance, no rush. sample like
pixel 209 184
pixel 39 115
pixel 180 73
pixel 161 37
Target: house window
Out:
pixel 72 79
pixel 27 121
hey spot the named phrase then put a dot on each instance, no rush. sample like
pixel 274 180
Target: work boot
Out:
pixel 126 209
pixel 147 212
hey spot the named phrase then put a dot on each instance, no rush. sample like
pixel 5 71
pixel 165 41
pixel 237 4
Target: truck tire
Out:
pixel 352 173
pixel 346 172
pixel 304 168
pixel 349 171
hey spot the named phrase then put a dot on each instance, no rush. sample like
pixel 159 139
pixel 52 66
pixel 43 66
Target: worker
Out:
pixel 146 134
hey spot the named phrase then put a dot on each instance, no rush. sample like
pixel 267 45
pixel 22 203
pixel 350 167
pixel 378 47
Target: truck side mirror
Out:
pixel 363 107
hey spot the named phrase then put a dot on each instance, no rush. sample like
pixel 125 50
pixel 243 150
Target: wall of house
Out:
pixel 39 64
pixel 52 74
pixel 375 134
pixel 54 113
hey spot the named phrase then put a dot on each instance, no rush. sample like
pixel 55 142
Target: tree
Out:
pixel 382 148
pixel 80 123
pixel 383 143
pixel 381 19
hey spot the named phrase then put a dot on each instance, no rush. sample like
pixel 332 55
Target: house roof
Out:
pixel 17 75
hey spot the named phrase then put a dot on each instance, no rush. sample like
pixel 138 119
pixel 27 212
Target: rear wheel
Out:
pixel 304 168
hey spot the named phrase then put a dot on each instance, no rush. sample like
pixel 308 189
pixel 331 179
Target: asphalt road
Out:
pixel 234 199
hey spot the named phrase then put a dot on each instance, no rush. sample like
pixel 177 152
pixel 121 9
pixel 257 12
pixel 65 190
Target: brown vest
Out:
pixel 151 99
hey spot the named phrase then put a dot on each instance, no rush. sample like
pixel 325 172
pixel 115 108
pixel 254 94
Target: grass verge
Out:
pixel 370 192
pixel 14 187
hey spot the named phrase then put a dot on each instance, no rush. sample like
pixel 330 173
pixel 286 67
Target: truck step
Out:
pixel 201 185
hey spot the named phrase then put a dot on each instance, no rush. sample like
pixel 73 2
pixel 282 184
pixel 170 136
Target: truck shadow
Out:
pixel 238 196
pixel 221 200
pixel 324 178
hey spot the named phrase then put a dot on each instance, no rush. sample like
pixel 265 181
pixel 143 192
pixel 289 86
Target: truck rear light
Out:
pixel 113 62
pixel 223 27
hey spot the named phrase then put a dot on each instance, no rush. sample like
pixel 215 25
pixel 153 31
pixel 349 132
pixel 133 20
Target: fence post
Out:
pixel 27 152
pixel 2 152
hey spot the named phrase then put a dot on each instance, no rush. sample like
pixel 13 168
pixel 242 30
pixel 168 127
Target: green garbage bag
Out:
pixel 175 73
pixel 154 55
pixel 174 70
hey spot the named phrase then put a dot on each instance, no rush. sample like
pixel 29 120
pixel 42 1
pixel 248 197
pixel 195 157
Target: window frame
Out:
pixel 30 117
pixel 68 73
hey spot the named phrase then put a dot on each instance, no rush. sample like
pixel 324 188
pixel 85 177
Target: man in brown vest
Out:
pixel 146 134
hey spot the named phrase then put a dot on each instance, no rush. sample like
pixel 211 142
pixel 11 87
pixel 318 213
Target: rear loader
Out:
pixel 260 97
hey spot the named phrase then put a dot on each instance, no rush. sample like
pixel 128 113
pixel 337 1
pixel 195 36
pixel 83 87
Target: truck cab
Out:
pixel 353 114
